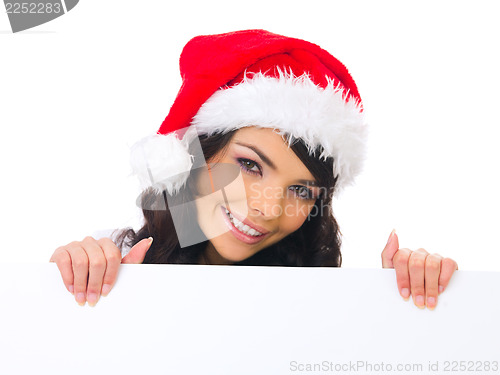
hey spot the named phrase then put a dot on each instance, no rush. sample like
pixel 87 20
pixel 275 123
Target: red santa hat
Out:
pixel 256 78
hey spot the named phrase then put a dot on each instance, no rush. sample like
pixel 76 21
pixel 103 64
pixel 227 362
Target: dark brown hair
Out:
pixel 316 243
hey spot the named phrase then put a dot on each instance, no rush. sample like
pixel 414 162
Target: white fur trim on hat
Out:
pixel 297 107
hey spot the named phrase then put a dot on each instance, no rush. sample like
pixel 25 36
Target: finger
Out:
pixel 97 268
pixel 113 257
pixel 448 266
pixel 63 260
pixel 80 266
pixel 400 261
pixel 432 271
pixel 138 252
pixel 416 268
pixel 390 249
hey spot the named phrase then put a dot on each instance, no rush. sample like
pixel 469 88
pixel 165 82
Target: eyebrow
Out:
pixel 264 158
pixel 268 161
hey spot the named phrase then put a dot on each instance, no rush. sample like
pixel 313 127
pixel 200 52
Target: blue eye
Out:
pixel 249 166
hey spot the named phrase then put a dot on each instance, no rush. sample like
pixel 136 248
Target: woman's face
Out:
pixel 271 198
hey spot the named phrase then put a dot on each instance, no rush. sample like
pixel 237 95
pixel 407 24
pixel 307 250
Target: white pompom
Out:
pixel 162 162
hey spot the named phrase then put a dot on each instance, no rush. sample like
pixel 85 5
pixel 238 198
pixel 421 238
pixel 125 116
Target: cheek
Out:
pixel 236 196
pixel 225 186
pixel 209 216
pixel 294 215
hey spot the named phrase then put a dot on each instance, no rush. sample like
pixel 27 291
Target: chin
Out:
pixel 235 256
pixel 234 253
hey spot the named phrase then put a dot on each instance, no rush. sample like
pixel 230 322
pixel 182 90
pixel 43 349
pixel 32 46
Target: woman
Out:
pixel 264 131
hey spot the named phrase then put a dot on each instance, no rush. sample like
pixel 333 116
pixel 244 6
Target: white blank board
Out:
pixel 191 319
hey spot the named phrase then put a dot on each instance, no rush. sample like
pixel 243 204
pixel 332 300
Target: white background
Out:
pixel 77 92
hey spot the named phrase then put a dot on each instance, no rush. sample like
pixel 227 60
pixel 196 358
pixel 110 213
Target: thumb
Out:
pixel 138 252
pixel 390 249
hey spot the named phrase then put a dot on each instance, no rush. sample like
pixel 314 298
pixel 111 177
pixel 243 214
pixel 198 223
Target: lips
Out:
pixel 248 222
pixel 244 230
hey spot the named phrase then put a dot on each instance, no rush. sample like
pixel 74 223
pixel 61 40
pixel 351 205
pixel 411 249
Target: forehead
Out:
pixel 275 147
pixel 264 136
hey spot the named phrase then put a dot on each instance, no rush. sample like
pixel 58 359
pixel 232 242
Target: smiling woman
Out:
pixel 264 131
pixel 280 213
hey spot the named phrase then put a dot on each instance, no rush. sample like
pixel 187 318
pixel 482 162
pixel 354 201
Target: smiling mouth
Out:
pixel 243 228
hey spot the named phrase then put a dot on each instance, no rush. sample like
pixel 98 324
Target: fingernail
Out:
pixel 92 299
pixel 420 301
pixel 150 240
pixel 441 288
pixel 71 289
pixel 80 298
pixel 431 302
pixel 405 293
pixel 106 288
pixel 390 236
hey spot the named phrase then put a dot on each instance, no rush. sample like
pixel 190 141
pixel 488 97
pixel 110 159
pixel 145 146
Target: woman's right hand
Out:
pixel 89 268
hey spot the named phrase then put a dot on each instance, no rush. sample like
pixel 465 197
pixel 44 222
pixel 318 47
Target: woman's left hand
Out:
pixel 418 273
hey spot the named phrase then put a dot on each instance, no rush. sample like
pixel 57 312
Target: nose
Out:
pixel 266 202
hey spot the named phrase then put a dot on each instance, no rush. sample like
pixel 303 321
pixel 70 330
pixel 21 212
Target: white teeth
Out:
pixel 237 223
pixel 242 227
